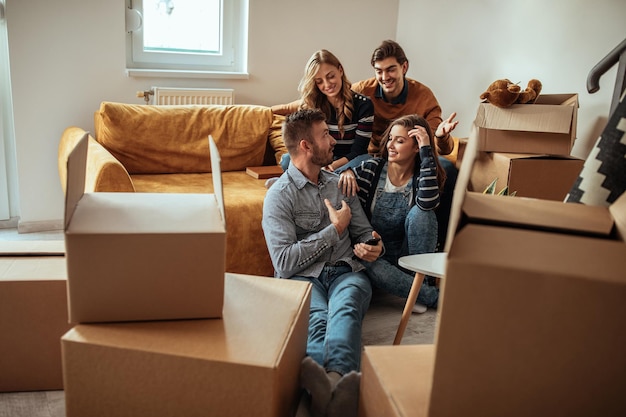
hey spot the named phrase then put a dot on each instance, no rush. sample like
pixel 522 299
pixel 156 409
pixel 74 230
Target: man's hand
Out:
pixel 347 183
pixel 367 252
pixel 339 218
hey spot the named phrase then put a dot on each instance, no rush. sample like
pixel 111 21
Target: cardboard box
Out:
pixel 33 317
pixel 396 380
pixel 538 176
pixel 247 363
pixel 143 256
pixel 531 323
pixel 546 127
pixel 532 307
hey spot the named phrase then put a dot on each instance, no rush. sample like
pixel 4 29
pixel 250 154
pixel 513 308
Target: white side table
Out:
pixel 432 264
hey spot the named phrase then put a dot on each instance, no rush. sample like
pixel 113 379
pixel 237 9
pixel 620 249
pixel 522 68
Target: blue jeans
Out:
pixel 339 300
pixel 405 231
pixel 445 204
pixel 420 236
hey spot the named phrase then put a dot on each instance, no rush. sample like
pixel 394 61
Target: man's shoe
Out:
pixel 419 308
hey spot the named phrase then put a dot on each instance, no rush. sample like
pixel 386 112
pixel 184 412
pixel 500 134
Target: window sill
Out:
pixel 138 72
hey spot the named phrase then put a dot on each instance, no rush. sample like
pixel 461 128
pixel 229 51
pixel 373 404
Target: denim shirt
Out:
pixel 299 234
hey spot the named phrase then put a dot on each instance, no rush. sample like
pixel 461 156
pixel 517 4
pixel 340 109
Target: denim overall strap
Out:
pixel 389 214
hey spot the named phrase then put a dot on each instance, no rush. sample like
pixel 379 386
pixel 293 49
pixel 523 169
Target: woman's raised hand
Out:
pixel 446 126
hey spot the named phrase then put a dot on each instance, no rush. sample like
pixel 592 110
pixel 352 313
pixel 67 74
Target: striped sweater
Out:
pixel 357 131
pixel 425 186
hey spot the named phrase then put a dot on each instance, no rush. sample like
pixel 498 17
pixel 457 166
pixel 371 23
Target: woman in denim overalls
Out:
pixel 399 191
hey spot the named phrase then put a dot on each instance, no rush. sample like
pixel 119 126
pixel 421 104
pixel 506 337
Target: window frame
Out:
pixel 233 62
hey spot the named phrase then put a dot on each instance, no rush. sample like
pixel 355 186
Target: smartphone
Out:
pixel 373 241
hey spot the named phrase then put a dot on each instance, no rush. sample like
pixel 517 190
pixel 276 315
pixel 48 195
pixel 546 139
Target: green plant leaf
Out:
pixel 491 188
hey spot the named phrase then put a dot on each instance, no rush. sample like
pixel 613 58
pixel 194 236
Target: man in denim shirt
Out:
pixel 310 228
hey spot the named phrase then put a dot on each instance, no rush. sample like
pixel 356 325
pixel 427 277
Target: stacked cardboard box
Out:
pixel 33 317
pixel 161 329
pixel 526 147
pixel 531 314
pixel 246 363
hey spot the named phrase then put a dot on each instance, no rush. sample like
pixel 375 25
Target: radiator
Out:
pixel 164 96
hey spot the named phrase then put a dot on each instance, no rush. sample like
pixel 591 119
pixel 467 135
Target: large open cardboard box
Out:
pixel 33 317
pixel 538 176
pixel 531 317
pixel 531 314
pixel 246 363
pixel 143 256
pixel 546 127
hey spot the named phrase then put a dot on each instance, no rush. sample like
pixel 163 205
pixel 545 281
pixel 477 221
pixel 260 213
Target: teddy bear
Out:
pixel 504 93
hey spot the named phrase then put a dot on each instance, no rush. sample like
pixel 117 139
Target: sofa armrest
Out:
pixel 454 155
pixel 104 172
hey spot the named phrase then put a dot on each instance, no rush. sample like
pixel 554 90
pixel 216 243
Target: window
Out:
pixel 202 37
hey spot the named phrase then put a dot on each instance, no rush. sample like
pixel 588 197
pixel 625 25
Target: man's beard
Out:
pixel 321 158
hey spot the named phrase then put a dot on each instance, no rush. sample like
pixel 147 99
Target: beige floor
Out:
pixel 379 328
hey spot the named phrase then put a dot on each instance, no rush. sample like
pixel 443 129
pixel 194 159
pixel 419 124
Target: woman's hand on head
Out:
pixel 421 135
pixel 347 183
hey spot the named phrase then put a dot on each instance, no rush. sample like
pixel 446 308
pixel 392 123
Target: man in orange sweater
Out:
pixel 394 95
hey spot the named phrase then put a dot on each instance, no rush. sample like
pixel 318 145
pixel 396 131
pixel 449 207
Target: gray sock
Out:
pixel 313 378
pixel 345 399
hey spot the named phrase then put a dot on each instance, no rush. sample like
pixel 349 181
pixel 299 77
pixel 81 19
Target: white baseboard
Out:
pixel 9 224
pixel 39 226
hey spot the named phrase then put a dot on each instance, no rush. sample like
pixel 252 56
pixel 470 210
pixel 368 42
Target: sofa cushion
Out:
pixel 173 139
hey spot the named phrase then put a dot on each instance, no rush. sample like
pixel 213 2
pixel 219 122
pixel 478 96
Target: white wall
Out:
pixel 459 47
pixel 69 55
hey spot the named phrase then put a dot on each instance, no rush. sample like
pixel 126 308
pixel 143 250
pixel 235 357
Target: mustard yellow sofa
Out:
pixel 143 148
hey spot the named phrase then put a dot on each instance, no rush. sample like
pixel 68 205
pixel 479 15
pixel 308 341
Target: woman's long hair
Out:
pixel 409 122
pixel 313 98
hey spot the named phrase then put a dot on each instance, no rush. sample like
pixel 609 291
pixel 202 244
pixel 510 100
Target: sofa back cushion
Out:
pixel 173 139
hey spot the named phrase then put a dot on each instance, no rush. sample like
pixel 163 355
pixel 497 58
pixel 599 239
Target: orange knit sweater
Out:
pixel 420 100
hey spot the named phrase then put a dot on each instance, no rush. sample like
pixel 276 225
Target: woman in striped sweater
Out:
pixel 399 190
pixel 349 115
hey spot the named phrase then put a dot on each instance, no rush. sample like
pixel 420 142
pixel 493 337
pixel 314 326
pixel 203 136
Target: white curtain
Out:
pixel 7 141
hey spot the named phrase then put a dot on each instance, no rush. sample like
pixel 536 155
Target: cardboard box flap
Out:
pixel 149 214
pixel 76 172
pixel 527 156
pixel 216 169
pixel 618 211
pixel 537 214
pixel 526 118
pixel 552 254
pixel 108 213
pixel 567 99
pixel 462 183
pixel 541 214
